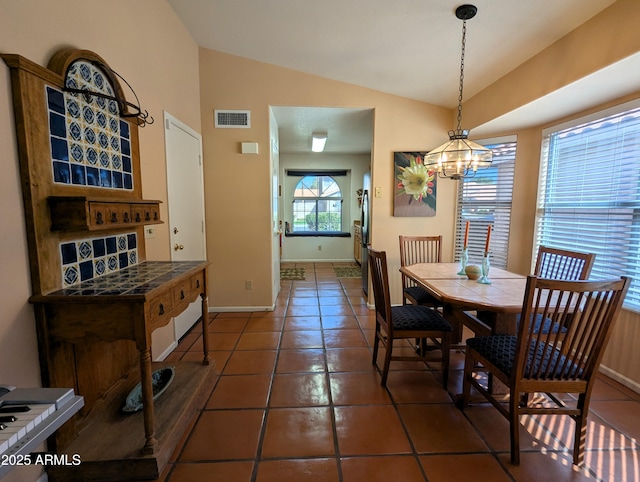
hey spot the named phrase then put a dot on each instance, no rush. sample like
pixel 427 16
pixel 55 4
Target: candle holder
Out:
pixel 484 279
pixel 464 259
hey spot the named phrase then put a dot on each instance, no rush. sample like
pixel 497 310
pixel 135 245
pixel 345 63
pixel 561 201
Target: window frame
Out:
pixel 498 248
pixel 617 254
pixel 316 200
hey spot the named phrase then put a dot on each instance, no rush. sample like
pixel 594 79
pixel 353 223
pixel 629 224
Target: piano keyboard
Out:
pixel 48 409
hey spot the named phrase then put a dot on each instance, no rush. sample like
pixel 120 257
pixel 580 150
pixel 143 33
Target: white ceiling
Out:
pixel 409 48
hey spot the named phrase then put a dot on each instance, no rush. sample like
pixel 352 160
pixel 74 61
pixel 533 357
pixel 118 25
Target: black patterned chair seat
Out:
pixel 421 295
pixel 544 327
pixel 501 351
pixel 414 317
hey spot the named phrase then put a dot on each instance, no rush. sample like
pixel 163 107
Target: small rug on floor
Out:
pixel 292 273
pixel 348 272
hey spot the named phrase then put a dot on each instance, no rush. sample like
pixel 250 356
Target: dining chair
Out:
pixel 548 363
pixel 404 322
pixel 413 250
pixel 564 264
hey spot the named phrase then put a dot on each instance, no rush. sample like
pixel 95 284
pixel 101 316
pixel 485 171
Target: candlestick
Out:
pixel 466 236
pixel 486 246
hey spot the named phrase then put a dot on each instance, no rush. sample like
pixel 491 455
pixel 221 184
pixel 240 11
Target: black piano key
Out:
pixel 14 408
pixel 7 418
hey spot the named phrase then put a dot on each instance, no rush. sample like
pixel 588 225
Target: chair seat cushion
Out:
pixel 544 327
pixel 501 351
pixel 414 317
pixel 421 296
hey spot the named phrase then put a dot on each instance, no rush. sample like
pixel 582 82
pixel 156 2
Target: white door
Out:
pixel 185 204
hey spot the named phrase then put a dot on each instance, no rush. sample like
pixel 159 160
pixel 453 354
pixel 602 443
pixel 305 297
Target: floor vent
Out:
pixel 239 119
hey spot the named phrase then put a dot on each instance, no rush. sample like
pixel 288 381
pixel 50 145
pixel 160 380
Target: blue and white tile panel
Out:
pixel 91 258
pixel 90 144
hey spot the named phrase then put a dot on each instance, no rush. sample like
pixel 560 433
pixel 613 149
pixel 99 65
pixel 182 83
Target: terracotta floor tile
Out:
pixel 250 362
pixel 299 390
pixel 301 339
pixel 333 300
pixel 303 301
pixel 223 435
pixel 212 472
pixel 188 340
pixel 370 430
pixel 302 323
pixel 344 339
pixel 418 386
pixel 614 465
pixel 623 415
pixel 223 341
pixel 329 292
pixel 262 324
pixel 359 388
pixel 294 310
pixel 301 470
pixel 235 325
pixel 340 322
pixel 259 341
pixel 298 432
pixel 545 467
pixel 437 428
pixel 333 310
pixel 302 360
pixel 382 469
pixel 241 391
pixel 349 359
pixel 476 467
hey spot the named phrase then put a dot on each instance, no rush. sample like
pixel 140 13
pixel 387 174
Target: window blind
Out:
pixel 485 200
pixel 589 196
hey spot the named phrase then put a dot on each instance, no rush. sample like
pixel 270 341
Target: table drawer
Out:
pixel 161 305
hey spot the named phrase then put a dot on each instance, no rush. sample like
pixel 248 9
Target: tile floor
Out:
pixel 299 400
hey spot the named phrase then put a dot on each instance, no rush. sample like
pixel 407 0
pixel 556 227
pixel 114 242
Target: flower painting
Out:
pixel 415 185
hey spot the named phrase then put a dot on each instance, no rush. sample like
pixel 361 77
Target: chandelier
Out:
pixel 460 157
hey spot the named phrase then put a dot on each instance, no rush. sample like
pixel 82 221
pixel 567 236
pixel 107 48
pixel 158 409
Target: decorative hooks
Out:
pixel 126 108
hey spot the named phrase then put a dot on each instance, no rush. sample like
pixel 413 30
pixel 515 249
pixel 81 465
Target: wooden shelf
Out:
pixel 109 444
pixel 80 213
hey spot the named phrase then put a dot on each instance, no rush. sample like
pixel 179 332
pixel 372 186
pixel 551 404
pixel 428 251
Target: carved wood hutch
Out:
pixel 96 298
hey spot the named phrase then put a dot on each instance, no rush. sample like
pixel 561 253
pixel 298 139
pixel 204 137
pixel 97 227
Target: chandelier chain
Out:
pixel 464 37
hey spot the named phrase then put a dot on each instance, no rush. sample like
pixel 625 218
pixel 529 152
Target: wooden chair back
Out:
pixel 420 249
pixel 559 362
pixel 563 264
pixel 380 285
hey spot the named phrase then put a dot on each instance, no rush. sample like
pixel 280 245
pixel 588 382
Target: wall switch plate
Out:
pixel 149 232
pixel 378 192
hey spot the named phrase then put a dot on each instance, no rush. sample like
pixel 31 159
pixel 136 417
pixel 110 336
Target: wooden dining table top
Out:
pixel 504 295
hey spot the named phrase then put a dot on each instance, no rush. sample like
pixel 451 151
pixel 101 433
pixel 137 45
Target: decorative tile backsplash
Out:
pixel 86 259
pixel 90 145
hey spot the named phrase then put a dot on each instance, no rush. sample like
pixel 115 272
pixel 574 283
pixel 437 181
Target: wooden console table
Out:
pixel 128 305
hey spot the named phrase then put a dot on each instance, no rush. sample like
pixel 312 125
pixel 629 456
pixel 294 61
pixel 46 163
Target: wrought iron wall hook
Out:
pixel 126 108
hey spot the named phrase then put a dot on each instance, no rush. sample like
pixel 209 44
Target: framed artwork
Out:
pixel 415 186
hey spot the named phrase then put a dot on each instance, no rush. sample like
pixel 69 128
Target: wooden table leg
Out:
pixel 205 328
pixel 147 401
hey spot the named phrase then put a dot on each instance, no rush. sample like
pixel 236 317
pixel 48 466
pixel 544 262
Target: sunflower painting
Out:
pixel 415 185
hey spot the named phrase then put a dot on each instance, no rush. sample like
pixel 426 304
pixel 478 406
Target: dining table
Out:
pixel 483 308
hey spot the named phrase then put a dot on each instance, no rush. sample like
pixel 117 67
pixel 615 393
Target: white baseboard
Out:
pixel 168 351
pixel 307 260
pixel 235 309
pixel 627 382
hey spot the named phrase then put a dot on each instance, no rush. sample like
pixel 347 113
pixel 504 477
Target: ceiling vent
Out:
pixel 238 119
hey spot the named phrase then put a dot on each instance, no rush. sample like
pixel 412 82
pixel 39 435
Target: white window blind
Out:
pixel 485 200
pixel 589 196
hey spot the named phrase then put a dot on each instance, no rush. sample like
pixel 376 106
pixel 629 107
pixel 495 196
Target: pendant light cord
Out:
pixel 464 37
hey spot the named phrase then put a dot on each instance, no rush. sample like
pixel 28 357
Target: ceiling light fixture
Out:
pixel 318 140
pixel 460 157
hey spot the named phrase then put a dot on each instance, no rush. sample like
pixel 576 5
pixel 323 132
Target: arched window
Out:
pixel 317 205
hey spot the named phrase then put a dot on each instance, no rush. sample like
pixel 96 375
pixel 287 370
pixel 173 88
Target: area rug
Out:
pixel 292 273
pixel 348 272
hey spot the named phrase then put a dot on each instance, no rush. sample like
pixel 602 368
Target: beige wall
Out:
pixel 238 189
pixel 144 42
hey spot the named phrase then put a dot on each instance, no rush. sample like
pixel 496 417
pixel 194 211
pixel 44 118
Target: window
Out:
pixel 485 200
pixel 317 205
pixel 589 197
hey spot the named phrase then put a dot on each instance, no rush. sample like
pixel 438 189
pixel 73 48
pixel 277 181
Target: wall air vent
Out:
pixel 237 119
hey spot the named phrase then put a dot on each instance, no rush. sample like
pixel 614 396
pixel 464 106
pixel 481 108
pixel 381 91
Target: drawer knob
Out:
pixel 114 218
pixel 99 219
pixel 147 216
pixel 161 310
pixel 182 294
pixel 197 283
pixel 138 218
pixel 126 217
